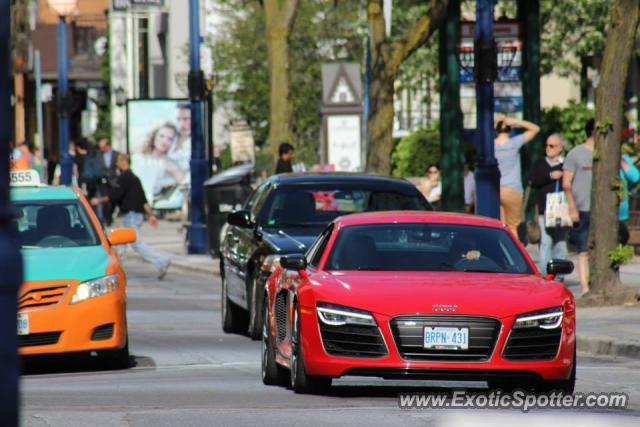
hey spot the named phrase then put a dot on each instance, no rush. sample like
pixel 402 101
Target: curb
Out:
pixel 604 346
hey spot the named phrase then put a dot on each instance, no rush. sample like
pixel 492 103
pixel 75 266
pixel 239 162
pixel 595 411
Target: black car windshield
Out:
pixel 318 205
pixel 54 224
pixel 426 247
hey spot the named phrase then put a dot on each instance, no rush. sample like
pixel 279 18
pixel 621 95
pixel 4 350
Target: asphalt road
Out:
pixel 187 372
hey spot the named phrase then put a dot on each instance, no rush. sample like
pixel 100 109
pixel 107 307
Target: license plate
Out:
pixel 446 338
pixel 23 324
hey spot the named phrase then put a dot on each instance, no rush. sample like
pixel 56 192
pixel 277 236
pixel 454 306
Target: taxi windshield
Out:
pixel 54 224
pixel 427 247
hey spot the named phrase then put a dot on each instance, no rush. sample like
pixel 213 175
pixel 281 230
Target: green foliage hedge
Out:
pixel 415 152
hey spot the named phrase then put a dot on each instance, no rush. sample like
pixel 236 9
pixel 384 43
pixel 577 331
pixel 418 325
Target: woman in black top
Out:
pixel 546 177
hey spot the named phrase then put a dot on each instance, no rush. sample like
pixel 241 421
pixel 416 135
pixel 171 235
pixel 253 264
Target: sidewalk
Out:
pixel 610 331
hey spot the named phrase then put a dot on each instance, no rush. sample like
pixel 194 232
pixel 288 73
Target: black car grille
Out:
pixel 103 332
pixel 532 344
pixel 408 332
pixel 352 341
pixel 281 316
pixel 45 338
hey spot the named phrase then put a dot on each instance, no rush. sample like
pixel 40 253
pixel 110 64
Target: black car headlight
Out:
pixel 544 319
pixel 337 315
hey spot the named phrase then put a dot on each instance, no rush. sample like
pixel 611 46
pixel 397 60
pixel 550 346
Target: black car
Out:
pixel 283 216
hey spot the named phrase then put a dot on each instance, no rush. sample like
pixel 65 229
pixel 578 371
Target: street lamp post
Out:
pixel 197 231
pixel 63 8
pixel 487 173
pixel 10 258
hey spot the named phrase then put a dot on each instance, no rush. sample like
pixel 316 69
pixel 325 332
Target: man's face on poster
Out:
pixel 184 122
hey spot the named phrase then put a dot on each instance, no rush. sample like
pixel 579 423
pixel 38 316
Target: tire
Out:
pixel 300 381
pixel 234 319
pixel 255 309
pixel 117 359
pixel 272 373
pixel 565 386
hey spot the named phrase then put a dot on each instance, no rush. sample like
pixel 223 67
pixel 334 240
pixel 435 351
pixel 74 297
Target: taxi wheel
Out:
pixel 255 309
pixel 272 373
pixel 300 381
pixel 118 359
pixel 234 319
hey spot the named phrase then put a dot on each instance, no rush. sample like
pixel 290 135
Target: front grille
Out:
pixel 103 332
pixel 532 344
pixel 281 316
pixel 352 341
pixel 408 333
pixel 45 338
pixel 41 297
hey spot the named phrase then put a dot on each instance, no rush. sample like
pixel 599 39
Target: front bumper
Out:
pixel 393 365
pixel 95 324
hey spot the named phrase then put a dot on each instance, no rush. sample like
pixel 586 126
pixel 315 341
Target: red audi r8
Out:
pixel 418 295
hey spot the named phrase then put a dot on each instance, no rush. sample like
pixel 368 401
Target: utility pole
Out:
pixel 197 89
pixel 485 67
pixel 10 258
pixel 64 103
pixel 451 158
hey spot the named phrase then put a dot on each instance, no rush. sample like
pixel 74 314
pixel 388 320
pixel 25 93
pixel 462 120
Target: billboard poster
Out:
pixel 159 142
pixel 344 142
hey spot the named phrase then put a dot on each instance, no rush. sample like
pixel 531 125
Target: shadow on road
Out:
pixel 76 363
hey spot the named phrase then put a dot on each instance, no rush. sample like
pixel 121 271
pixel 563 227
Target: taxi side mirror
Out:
pixel 122 236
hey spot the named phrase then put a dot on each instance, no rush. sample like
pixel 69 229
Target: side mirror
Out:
pixel 293 262
pixel 122 236
pixel 559 266
pixel 240 219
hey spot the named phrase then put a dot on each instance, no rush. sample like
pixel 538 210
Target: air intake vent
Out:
pixel 281 316
pixel 532 344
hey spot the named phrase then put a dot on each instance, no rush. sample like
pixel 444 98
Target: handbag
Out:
pixel 556 210
pixel 528 231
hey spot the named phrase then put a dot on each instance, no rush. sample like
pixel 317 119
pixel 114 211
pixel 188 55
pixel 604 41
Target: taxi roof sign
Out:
pixel 24 178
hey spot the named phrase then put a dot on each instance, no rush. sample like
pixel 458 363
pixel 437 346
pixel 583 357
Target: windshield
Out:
pixel 426 247
pixel 54 224
pixel 316 206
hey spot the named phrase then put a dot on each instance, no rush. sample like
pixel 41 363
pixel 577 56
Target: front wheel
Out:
pixel 255 308
pixel 300 381
pixel 233 317
pixel 272 373
pixel 117 359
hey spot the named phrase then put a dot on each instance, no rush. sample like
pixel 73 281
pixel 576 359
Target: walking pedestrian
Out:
pixel 546 177
pixel 107 159
pixel 286 153
pixel 576 183
pixel 507 152
pixel 629 174
pixel 129 196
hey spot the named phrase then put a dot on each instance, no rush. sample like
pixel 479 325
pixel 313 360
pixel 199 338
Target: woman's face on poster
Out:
pixel 163 139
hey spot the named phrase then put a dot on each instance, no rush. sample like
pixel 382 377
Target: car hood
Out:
pixel 290 240
pixel 79 263
pixel 394 293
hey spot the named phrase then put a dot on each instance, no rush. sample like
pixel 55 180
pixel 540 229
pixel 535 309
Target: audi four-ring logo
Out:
pixel 445 308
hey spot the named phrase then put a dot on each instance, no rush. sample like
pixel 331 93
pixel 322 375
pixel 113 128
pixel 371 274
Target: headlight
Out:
pixel 95 288
pixel 336 315
pixel 270 263
pixel 545 319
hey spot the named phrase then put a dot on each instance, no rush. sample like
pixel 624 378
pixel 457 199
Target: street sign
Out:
pixel 124 5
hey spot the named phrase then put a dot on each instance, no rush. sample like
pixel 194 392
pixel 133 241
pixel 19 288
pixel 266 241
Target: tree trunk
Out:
pixel 279 99
pixel 386 56
pixel 380 124
pixel 280 16
pixel 603 236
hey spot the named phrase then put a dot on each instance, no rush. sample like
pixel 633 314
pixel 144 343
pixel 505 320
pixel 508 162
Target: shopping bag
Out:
pixel 556 211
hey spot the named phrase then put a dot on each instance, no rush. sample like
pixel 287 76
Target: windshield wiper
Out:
pixel 479 270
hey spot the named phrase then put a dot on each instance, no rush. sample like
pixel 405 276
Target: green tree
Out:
pixel 415 152
pixel 568 121
pixel 604 281
pixel 323 31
